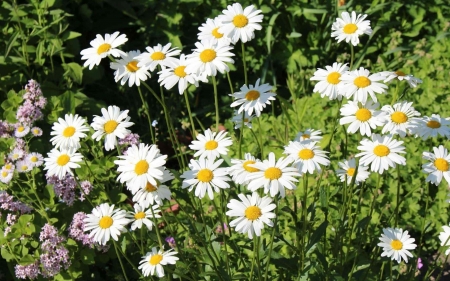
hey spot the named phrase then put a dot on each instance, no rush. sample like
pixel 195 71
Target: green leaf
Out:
pixel 74 71
pixel 67 101
pixel 70 35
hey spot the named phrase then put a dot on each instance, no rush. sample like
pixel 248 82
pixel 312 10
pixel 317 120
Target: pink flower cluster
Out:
pixel 54 255
pixel 30 271
pixel 34 102
pixel 129 140
pixel 76 230
pixel 7 203
pixel 64 188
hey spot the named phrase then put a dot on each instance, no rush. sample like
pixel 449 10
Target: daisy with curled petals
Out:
pixel 106 222
pixel 252 212
pixel 101 48
pixel 240 169
pixel 396 243
pixel 399 118
pixel 157 55
pixel 361 117
pixel 253 98
pixel 211 145
pixel 209 58
pixel 348 169
pixel 154 194
pixel 210 31
pixel 35 159
pixel 238 23
pixel 381 153
pixel 175 73
pixel 127 69
pixel 140 165
pixel 152 263
pixel 329 80
pixel 238 119
pixel 360 83
pixel 140 216
pixel 309 135
pixel 432 127
pixel 400 75
pixel 307 156
pixel 112 124
pixel 61 162
pixel 444 237
pixel 273 175
pixel 439 165
pixel 21 131
pixel 349 28
pixel 205 175
pixel 6 175
pixel 67 132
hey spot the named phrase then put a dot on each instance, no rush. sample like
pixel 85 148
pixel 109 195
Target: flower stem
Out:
pixel 352 56
pixel 194 133
pixel 120 260
pixel 147 112
pixel 216 102
pixel 245 63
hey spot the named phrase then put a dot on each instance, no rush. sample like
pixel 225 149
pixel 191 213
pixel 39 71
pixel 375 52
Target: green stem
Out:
pixel 158 234
pixel 241 136
pixel 229 82
pixel 126 257
pixel 397 207
pixel 186 99
pixel 120 261
pixel 147 112
pixel 352 51
pixel 216 102
pixel 220 215
pixel 272 235
pixel 253 259
pixel 245 63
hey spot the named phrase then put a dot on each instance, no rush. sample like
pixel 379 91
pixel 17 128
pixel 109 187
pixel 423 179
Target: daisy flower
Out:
pixel 140 165
pixel 153 262
pixel 106 222
pixel 238 23
pixel 21 131
pixel 16 154
pixel 438 167
pixel 399 118
pixel 152 194
pixel 444 237
pixel 329 80
pixel 101 48
pixel 36 131
pixel 112 124
pixel 175 73
pixel 23 166
pixel 360 83
pixel 204 175
pixel 252 212
pixel 210 31
pixel 273 175
pixel 127 69
pixel 381 153
pixel 348 169
pixel 35 159
pixel 140 216
pixel 306 156
pixel 6 175
pixel 400 75
pixel 209 58
pixel 237 119
pixel 211 145
pixel 240 169
pixel 432 127
pixel 61 162
pixel 361 117
pixel 157 55
pixel 67 132
pixel 350 28
pixel 253 98
pixel 396 243
pixel 309 135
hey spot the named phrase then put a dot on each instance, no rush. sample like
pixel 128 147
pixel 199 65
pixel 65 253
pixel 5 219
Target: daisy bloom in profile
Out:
pixel 60 162
pixel 238 119
pixel 106 222
pixel 6 175
pixel 238 23
pixel 361 117
pixel 240 169
pixel 140 216
pixel 307 156
pixel 112 124
pixel 157 55
pixel 349 28
pixel 439 165
pixel 348 169
pixel 253 98
pixel 23 166
pixel 211 145
pixel 21 131
pixel 153 262
pixel 329 79
pixel 444 237
pixel 381 153
pixel 432 127
pixel 309 135
pixel 399 118
pixel 35 159
pixel 273 175
pixel 101 48
pixel 154 194
pixel 36 131
pixel 400 75
pixel 67 132
pixel 175 73
pixel 127 69
pixel 252 212
pixel 396 243
pixel 210 31
pixel 209 58
pixel 360 83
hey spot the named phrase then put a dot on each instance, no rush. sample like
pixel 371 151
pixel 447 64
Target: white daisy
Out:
pixel 101 48
pixel 35 159
pixel 396 243
pixel 140 216
pixel 432 127
pixel 329 80
pixel 61 162
pixel 238 23
pixel 113 124
pixel 381 153
pixel 252 212
pixel 106 222
pixel 253 98
pixel 157 55
pixel 211 145
pixel 23 166
pixel 67 132
pixel 237 119
pixel 204 175
pixel 6 175
pixel 348 169
pixel 36 131
pixel 350 28
pixel 309 135
pixel 400 75
pixel 444 237
pixel 154 194
pixel 21 131
pixel 273 175
pixel 175 73
pixel 439 165
pixel 209 58
pixel 360 83
pixel 153 262
pixel 399 118
pixel 16 154
pixel 306 156
pixel 210 31
pixel 361 117
pixel 127 69
pixel 240 169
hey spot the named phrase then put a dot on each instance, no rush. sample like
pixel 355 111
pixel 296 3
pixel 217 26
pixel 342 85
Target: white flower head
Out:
pixel 142 217
pixel 23 166
pixel 36 131
pixel 431 127
pixel 157 55
pixel 211 145
pixel 396 243
pixel 253 98
pixel 307 156
pixel 349 28
pixel 210 31
pixel 309 135
pixel 348 169
pixel 21 131
pixel 238 119
pixel 238 23
pixel 329 80
pixel 35 159
pixel 67 132
pixel 154 194
pixel 401 76
pixel 361 117
pixel 152 263
pixel 101 48
pixel 175 73
pixel 439 165
pixel 6 175
pixel 400 118
pixel 61 162
pixel 444 237
pixel 127 69
pixel 240 169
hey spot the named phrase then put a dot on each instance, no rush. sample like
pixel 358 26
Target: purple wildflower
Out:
pixel 76 230
pixel 30 271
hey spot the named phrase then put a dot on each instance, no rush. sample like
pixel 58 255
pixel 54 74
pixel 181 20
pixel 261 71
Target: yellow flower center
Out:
pixel 15 156
pixel 179 71
pixel 8 166
pixel 253 213
pixel 363 114
pixel 350 28
pixel 433 124
pixel 361 82
pixel 216 33
pixel 158 56
pixel 139 215
pixel 69 131
pixel 306 154
pixel 105 222
pixel 24 167
pixel 110 126
pixel 141 167
pixel 351 172
pixel 63 159
pixel 21 129
pixel 33 159
pixel 211 145
pixel 441 164
pixel 5 174
pixel 207 55
pixel 150 187
pixel 400 73
pixel 399 117
pixel 205 175
pixel 273 173
pixel 240 21
pixel 156 259
pixel 333 78
pixel 36 131
pixel 381 150
pixel 306 136
pixel 396 245
pixel 132 66
pixel 252 95
pixel 105 47
pixel 248 168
